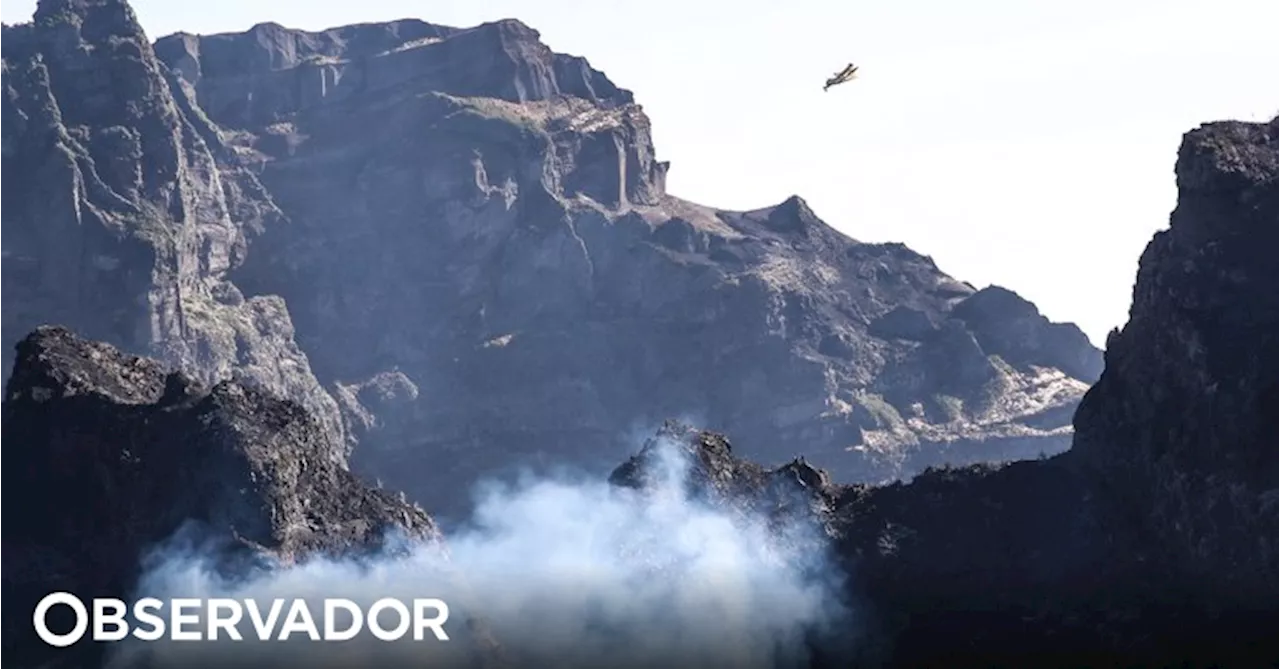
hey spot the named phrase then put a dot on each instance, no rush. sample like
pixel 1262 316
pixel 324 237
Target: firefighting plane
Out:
pixel 847 74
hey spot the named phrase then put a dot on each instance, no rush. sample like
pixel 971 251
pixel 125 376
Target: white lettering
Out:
pixel 330 624
pixel 228 624
pixel 299 620
pixel 101 617
pixel 264 629
pixel 60 640
pixel 376 627
pixel 218 619
pixel 177 619
pixel 142 610
pixel 435 623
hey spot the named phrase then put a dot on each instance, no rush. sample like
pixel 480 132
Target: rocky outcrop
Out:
pixel 796 492
pixel 1185 416
pixel 124 216
pixel 1023 564
pixel 487 221
pixel 1001 320
pixel 113 454
pixel 1152 542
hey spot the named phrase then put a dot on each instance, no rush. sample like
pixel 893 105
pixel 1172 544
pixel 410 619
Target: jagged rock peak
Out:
pixel 52 360
pixel 715 474
pixel 270 46
pixel 1184 416
pixel 1216 162
pixel 94 22
pixel 503 59
pixel 52 8
pixel 1228 155
pixel 793 214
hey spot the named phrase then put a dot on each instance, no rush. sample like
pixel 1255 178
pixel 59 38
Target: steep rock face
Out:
pixel 485 221
pixel 123 216
pixel 1185 415
pixel 113 454
pixel 1152 542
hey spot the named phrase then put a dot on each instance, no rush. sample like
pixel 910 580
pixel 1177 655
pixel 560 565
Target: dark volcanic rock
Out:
pixel 487 219
pixel 1153 542
pixel 111 454
pixel 789 493
pixel 1021 564
pixel 961 567
pixel 1185 416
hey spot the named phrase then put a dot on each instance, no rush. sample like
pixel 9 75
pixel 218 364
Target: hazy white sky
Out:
pixel 1025 143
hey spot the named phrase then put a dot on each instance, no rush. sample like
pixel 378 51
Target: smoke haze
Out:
pixel 560 572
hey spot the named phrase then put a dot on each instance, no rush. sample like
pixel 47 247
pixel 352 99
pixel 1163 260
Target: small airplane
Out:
pixel 847 74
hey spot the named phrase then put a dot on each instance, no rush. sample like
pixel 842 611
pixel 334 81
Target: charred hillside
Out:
pixel 1152 542
pixel 1185 416
pixel 113 455
pixel 484 262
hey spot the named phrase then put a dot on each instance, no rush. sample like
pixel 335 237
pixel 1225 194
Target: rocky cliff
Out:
pixel 465 238
pixel 1153 541
pixel 1185 416
pixel 112 454
pixel 1148 544
pixel 125 211
pixel 481 257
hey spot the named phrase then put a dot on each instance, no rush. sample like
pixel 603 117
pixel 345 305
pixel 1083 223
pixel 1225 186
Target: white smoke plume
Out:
pixel 562 573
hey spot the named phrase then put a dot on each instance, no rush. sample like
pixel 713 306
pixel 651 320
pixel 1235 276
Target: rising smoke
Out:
pixel 559 573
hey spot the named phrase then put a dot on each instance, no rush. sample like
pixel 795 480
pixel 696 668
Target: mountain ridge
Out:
pixel 500 285
pixel 685 233
pixel 457 246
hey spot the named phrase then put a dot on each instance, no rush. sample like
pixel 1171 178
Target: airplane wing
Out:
pixel 842 76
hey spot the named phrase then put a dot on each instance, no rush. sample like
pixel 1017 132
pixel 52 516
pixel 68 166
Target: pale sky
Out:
pixel 1029 144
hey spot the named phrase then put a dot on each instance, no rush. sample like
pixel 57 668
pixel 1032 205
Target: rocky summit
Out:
pixel 1184 419
pixel 1153 541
